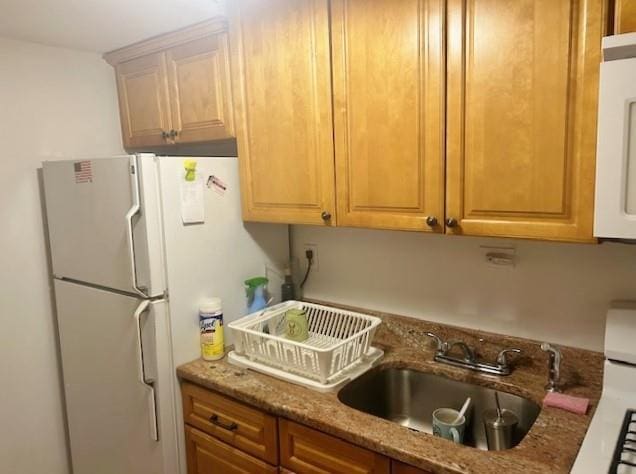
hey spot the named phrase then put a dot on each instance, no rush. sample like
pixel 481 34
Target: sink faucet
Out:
pixel 554 366
pixel 469 353
pixel 469 359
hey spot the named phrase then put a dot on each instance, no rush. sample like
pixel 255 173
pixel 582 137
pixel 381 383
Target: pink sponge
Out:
pixel 576 405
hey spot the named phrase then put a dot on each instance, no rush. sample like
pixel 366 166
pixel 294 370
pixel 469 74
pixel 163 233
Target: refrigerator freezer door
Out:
pixel 86 219
pixel 118 384
pixel 97 220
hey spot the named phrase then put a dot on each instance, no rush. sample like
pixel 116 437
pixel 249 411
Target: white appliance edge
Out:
pixel 185 263
pixel 615 197
pixel 619 391
pixel 210 259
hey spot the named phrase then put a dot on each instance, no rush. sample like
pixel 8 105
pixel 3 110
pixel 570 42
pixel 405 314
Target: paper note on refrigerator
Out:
pixel 192 206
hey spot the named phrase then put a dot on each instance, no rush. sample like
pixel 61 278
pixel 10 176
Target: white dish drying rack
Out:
pixel 337 350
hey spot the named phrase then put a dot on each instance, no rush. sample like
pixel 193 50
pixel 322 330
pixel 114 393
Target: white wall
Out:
pixel 556 292
pixel 54 103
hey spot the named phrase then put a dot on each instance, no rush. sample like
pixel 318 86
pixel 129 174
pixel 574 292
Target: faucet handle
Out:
pixel 547 347
pixel 554 366
pixel 441 345
pixel 555 354
pixel 502 360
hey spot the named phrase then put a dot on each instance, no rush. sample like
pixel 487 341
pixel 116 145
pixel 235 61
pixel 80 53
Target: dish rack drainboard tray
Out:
pixel 338 340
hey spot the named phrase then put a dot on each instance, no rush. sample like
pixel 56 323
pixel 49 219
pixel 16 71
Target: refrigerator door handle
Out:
pixel 154 430
pixel 134 210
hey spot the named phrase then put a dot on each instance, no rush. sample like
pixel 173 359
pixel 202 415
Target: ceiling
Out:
pixel 99 25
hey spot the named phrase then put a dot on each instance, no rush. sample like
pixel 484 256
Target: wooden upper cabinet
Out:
pixel 522 105
pixel 175 88
pixel 388 74
pixel 143 100
pixel 625 16
pixel 282 91
pixel 477 114
pixel 199 84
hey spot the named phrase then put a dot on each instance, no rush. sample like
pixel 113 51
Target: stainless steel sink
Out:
pixel 409 397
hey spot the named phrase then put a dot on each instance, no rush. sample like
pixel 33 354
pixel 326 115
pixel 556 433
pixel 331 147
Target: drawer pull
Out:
pixel 214 419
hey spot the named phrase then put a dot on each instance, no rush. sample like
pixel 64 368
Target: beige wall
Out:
pixel 556 292
pixel 54 104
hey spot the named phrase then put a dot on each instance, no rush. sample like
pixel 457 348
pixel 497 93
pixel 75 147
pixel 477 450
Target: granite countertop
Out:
pixel 551 445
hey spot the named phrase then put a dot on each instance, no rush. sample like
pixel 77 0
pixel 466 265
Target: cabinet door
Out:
pixel 199 84
pixel 625 16
pixel 143 100
pixel 207 455
pixel 388 73
pixel 522 105
pixel 307 451
pixel 282 91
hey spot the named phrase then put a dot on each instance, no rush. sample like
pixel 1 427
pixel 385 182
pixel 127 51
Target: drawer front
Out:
pixel 208 455
pixel 238 425
pixel 307 451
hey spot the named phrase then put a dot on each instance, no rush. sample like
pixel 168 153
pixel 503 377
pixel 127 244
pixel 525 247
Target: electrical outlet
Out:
pixel 314 248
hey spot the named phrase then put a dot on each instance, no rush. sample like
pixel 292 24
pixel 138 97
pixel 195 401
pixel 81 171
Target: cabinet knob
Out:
pixel 451 222
pixel 431 221
pixel 326 216
pixel 164 135
pixel 173 133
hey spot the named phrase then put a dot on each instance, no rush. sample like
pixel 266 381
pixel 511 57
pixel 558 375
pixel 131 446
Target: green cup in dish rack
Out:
pixel 296 325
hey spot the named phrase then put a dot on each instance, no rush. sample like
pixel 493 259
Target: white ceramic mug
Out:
pixel 445 426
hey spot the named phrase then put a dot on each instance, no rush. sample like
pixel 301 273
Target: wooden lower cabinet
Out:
pixel 208 455
pixel 224 436
pixel 398 467
pixel 307 451
pixel 232 422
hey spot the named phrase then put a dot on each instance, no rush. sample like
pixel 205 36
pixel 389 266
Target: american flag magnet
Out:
pixel 83 171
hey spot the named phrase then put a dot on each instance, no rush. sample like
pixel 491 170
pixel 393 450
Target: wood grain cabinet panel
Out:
pixel 208 455
pixel 282 93
pixel 234 423
pixel 175 88
pixel 199 84
pixel 307 451
pixel 624 16
pixel 143 100
pixel 522 105
pixel 388 73
pixel 401 468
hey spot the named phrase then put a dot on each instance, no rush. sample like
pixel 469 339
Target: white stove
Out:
pixel 610 443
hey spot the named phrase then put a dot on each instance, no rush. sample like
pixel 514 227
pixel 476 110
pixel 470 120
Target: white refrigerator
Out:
pixel 129 275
